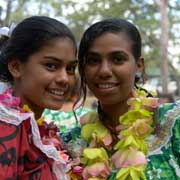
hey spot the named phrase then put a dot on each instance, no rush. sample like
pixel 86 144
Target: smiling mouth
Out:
pixel 107 85
pixel 56 92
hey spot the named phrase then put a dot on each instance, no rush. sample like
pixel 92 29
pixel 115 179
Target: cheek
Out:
pixel 72 82
pixel 127 75
pixel 88 79
pixel 131 75
pixel 89 74
pixel 131 70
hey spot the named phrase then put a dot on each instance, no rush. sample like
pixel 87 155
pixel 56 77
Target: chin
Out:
pixel 108 102
pixel 54 107
pixel 111 102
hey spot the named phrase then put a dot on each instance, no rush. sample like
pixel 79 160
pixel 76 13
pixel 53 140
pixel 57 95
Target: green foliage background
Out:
pixel 144 13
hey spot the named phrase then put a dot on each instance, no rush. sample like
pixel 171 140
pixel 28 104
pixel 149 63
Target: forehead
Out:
pixel 61 43
pixel 60 49
pixel 111 42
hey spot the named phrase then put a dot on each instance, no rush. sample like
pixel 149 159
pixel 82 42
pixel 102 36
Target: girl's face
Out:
pixel 46 79
pixel 110 68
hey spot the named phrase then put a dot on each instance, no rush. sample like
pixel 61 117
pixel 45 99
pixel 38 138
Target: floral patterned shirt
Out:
pixel 19 157
pixel 64 119
pixel 25 149
pixel 163 152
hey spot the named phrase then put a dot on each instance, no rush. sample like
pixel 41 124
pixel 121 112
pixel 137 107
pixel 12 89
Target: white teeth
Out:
pixel 57 92
pixel 105 86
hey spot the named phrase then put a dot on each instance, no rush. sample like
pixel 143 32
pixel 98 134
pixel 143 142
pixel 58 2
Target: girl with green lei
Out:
pixel 130 136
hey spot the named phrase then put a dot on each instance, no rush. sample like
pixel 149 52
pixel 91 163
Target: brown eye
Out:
pixel 118 59
pixel 71 69
pixel 90 60
pixel 51 66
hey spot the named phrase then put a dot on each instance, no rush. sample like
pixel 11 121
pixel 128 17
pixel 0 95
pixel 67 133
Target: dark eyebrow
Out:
pixel 90 53
pixel 111 53
pixel 74 61
pixel 119 53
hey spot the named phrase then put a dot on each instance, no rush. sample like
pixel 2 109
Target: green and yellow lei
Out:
pixel 126 160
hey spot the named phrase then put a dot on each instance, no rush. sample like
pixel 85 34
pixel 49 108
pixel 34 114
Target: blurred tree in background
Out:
pixel 157 20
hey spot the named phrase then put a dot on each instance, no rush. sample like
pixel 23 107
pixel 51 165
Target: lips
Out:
pixel 56 92
pixel 106 85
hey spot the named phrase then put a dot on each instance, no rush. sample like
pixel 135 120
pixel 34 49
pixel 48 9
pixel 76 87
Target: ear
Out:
pixel 140 65
pixel 14 68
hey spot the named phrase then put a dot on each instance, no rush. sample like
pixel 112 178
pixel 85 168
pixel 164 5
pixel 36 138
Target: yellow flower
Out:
pixel 141 101
pixel 27 108
pixel 40 121
pixel 131 173
pixel 132 115
pixel 131 141
pixel 92 155
pixel 95 132
pixel 97 163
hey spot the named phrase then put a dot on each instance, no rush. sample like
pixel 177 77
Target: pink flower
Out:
pixel 64 156
pixel 7 99
pixel 51 141
pixel 97 170
pixel 107 140
pixel 77 170
pixel 150 103
pixel 128 157
pixel 141 127
pixel 139 100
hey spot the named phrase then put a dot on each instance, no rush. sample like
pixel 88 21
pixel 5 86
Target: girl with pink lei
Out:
pixel 37 70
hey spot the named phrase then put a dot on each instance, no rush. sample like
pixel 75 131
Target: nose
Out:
pixel 105 69
pixel 62 78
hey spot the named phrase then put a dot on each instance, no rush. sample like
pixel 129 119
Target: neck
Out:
pixel 113 112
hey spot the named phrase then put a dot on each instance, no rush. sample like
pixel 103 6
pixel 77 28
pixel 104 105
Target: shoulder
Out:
pixel 166 110
pixel 65 120
pixel 168 116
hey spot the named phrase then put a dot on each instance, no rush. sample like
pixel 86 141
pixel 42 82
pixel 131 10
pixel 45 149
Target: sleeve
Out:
pixel 174 124
pixel 19 157
pixel 13 144
pixel 65 120
pixel 163 109
pixel 176 140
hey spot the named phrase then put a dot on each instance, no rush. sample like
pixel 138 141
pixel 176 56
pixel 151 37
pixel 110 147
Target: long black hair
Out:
pixel 116 26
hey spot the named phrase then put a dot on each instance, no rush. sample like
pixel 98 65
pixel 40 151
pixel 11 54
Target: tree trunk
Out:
pixel 163 4
pixel 8 11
